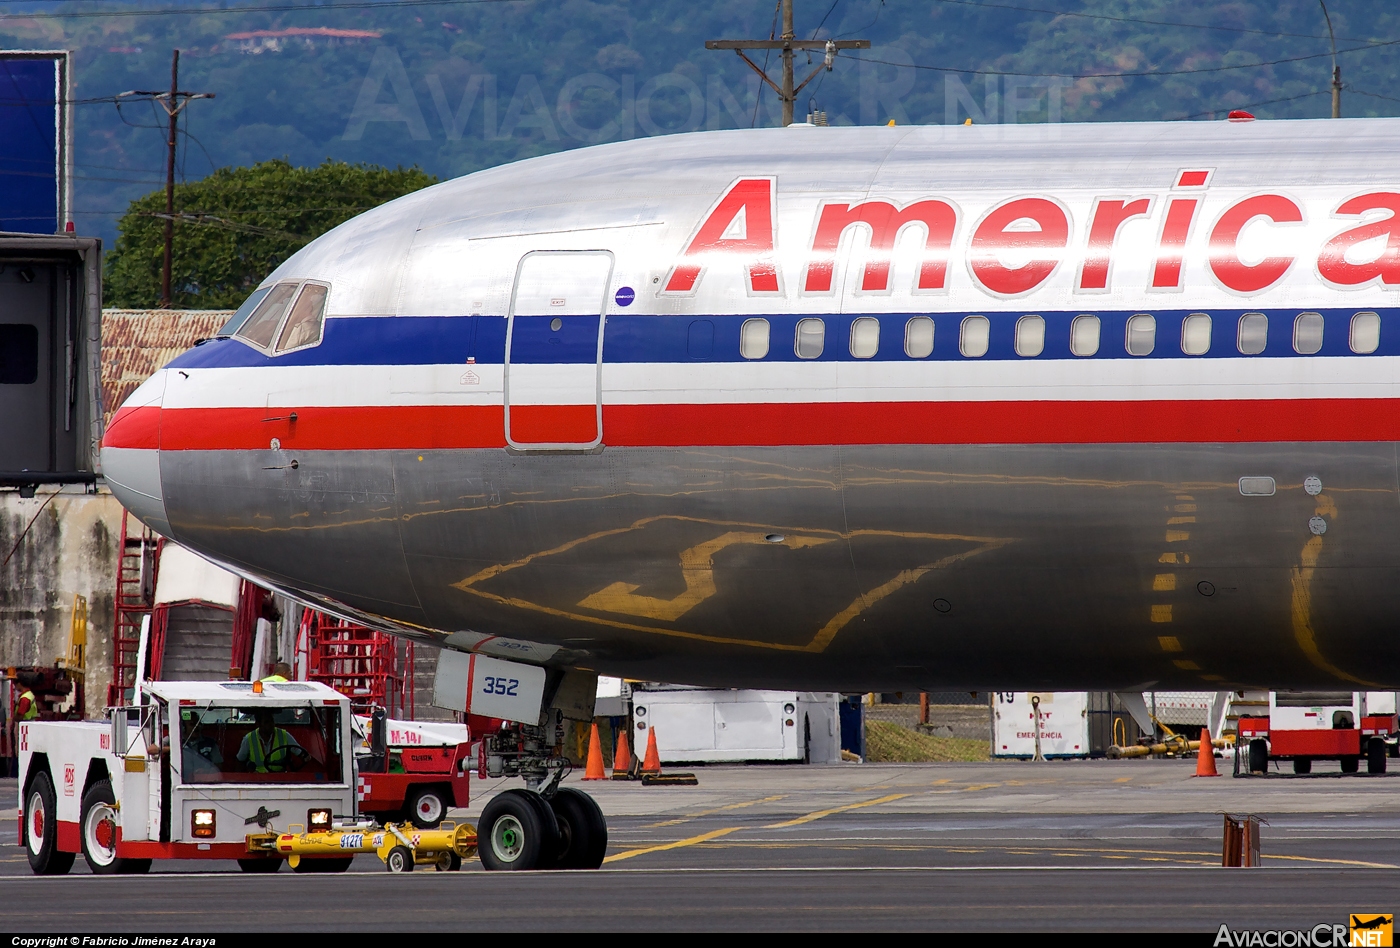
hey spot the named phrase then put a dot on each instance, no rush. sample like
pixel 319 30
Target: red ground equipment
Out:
pixel 413 770
pixel 1304 726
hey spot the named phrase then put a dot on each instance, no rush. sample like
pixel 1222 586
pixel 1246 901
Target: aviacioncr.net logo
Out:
pixel 1324 935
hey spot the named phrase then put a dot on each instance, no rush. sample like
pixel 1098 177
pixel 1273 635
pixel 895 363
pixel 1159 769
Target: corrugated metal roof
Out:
pixel 136 342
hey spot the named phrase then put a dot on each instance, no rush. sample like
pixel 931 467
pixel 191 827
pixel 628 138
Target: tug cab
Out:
pixel 164 778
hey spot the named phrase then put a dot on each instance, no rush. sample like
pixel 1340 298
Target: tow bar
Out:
pixel 400 847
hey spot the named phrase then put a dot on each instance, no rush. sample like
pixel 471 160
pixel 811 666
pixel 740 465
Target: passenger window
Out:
pixel 1195 334
pixel 1365 333
pixel 1307 333
pixel 1142 334
pixel 753 339
pixel 236 320
pixel 918 337
pixel 303 327
pixel 1084 335
pixel 975 333
pixel 261 327
pixel 1030 336
pixel 1253 333
pixel 810 339
pixel 865 337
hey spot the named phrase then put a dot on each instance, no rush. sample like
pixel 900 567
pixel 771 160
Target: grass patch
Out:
pixel 889 743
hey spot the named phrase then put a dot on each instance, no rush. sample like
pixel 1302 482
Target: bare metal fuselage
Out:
pixel 478 451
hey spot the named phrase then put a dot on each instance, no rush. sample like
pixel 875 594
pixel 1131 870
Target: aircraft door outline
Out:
pixel 557 315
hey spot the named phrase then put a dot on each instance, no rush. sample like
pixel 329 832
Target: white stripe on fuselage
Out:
pixel 776 382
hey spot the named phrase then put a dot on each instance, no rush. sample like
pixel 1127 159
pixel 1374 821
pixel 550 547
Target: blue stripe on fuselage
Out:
pixel 434 340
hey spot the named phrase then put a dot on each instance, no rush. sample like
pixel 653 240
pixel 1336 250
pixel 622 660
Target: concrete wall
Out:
pixel 71 548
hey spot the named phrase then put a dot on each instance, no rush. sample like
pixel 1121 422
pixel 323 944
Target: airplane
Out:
pixel 843 409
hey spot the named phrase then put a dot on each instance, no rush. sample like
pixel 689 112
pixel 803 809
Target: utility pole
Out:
pixel 174 103
pixel 1336 70
pixel 170 182
pixel 787 44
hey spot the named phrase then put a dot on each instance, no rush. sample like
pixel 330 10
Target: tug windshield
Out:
pixel 220 744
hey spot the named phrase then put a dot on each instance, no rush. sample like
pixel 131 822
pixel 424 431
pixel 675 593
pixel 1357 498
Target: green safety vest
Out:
pixel 272 762
pixel 33 712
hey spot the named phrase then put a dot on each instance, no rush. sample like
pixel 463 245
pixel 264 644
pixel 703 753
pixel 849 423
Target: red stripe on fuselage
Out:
pixel 134 428
pixel 796 423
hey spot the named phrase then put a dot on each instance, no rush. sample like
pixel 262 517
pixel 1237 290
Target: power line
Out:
pixel 1124 75
pixel 1130 19
pixel 266 8
pixel 1255 105
pixel 1374 95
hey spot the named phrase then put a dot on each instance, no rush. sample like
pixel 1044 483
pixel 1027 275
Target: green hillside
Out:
pixel 452 87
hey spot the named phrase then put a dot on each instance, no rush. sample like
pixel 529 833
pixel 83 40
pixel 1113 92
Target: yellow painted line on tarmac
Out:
pixel 678 844
pixel 718 809
pixel 810 817
pixel 979 786
pixel 1334 862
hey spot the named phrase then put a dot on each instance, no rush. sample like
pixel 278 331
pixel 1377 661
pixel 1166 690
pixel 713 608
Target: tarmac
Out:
pixel 1002 846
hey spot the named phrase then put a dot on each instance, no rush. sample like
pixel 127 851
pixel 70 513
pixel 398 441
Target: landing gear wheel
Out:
pixel 549 854
pixel 1258 756
pixel 1302 766
pixel 1351 765
pixel 448 862
pixel 323 865
pixel 426 807
pixel 41 830
pixel 260 865
pixel 99 828
pixel 583 832
pixel 514 833
pixel 1375 756
pixel 400 859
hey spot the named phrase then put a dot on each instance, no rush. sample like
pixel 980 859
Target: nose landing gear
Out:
pixel 523 829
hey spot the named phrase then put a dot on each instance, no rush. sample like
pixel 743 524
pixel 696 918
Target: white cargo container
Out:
pixel 702 725
pixel 1064 724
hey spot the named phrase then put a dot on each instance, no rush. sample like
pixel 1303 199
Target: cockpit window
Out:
pixel 261 327
pixel 303 327
pixel 250 304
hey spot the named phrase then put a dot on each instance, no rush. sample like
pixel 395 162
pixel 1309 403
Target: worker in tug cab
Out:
pixel 280 673
pixel 269 749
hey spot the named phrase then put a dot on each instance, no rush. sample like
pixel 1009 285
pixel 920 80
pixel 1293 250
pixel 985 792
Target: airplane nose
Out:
pixel 131 454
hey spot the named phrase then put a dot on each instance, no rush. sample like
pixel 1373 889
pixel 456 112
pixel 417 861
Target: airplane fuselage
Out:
pixel 852 409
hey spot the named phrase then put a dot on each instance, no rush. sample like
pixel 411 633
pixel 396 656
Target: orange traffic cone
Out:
pixel 622 759
pixel 595 757
pixel 1205 757
pixel 652 763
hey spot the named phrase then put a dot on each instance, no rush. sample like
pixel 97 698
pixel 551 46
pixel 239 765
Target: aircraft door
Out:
pixel 554 351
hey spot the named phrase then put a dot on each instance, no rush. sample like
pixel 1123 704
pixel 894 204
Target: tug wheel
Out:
pixel 99 828
pixel 1375 756
pixel 426 807
pixel 41 830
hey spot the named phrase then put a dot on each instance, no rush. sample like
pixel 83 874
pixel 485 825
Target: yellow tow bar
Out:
pixel 400 847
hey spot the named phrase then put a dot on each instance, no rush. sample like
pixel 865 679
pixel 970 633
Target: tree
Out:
pixel 236 226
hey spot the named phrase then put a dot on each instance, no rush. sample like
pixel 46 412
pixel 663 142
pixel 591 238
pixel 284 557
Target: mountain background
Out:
pixel 452 87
